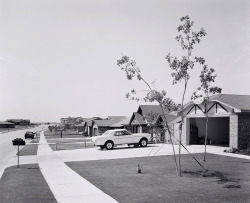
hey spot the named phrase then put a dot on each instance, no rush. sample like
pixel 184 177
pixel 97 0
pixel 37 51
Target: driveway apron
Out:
pixel 66 184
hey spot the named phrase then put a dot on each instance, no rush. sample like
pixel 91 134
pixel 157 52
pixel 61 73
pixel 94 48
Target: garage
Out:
pixel 228 125
pixel 218 130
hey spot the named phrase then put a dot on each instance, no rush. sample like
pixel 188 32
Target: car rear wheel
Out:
pixel 109 145
pixel 143 142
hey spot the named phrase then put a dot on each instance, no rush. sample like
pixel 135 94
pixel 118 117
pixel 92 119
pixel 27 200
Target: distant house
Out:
pixel 71 121
pixel 4 124
pixel 229 121
pixel 162 135
pixel 146 114
pixel 19 121
pixel 82 127
pixel 100 126
pixel 123 124
pixel 88 126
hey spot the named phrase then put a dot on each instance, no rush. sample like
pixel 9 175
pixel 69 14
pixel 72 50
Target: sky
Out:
pixel 58 57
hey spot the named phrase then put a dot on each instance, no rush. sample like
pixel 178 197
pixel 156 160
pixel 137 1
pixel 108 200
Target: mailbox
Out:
pixel 18 141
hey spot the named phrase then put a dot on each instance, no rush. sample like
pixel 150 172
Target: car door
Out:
pixel 125 137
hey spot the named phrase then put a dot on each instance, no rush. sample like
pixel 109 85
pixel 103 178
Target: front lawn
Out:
pixel 24 185
pixel 53 135
pixel 227 180
pixel 28 150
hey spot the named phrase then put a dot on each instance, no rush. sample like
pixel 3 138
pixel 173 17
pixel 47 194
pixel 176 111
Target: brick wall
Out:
pixel 244 130
pixel 233 131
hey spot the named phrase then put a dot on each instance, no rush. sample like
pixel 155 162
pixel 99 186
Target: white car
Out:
pixel 113 138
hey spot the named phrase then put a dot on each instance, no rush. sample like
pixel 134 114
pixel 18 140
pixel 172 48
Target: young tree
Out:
pixel 181 67
pixel 205 90
pixel 187 39
pixel 131 70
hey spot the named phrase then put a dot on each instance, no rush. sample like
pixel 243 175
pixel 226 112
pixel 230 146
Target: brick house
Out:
pixel 228 125
pixel 100 126
pixel 123 124
pixel 145 115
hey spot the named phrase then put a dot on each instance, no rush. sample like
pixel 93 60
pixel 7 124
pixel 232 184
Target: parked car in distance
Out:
pixel 29 134
pixel 112 138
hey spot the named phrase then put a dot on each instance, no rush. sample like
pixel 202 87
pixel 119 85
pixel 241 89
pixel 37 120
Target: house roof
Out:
pixel 150 112
pixel 116 117
pixel 122 122
pixel 18 120
pixel 6 123
pixel 89 123
pixel 106 122
pixel 241 102
pixel 140 119
pixel 148 109
pixel 169 116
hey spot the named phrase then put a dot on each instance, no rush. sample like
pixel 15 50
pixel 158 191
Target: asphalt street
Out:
pixel 7 150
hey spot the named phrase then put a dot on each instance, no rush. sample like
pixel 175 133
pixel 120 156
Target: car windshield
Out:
pixel 106 133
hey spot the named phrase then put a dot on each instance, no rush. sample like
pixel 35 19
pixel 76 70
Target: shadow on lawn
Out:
pixel 222 178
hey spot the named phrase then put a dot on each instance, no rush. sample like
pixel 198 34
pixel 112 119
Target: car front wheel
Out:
pixel 143 143
pixel 109 145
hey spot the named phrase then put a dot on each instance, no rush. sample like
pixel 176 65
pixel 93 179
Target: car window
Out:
pixel 118 133
pixel 125 132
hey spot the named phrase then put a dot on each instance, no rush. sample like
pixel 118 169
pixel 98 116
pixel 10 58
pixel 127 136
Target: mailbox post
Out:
pixel 17 142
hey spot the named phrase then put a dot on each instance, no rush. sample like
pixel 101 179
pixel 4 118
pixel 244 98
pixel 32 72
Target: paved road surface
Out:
pixel 7 150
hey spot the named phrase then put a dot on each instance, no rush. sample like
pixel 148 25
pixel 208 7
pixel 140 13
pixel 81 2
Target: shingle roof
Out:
pixel 106 123
pixel 150 112
pixel 122 123
pixel 148 109
pixel 139 118
pixel 116 117
pixel 6 123
pixel 237 101
pixel 89 123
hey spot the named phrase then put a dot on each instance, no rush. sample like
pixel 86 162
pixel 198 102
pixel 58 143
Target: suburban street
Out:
pixel 7 150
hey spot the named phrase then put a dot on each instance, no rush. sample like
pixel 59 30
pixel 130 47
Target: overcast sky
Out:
pixel 58 57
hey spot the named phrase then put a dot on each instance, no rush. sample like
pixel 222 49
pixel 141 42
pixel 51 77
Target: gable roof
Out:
pixel 149 109
pixel 122 123
pixel 241 102
pixel 170 117
pixel 106 122
pixel 140 119
pixel 150 112
pixel 89 123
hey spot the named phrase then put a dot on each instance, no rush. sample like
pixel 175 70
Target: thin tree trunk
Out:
pixel 181 126
pixel 170 133
pixel 204 158
pixel 176 166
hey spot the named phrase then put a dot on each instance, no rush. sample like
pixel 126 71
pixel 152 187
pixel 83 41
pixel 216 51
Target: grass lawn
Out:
pixel 228 179
pixel 29 150
pixel 67 142
pixel 52 135
pixel 24 185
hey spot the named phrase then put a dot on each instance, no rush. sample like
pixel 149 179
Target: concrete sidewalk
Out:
pixel 65 184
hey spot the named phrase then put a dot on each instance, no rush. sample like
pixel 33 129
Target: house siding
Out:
pixel 244 130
